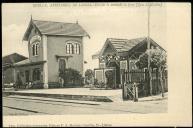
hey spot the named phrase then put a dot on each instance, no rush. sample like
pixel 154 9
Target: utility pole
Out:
pixel 148 48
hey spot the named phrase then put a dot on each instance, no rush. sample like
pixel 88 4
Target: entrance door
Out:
pixel 114 64
pixel 62 65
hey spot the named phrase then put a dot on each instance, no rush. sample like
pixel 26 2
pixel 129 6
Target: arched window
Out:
pixel 76 48
pixel 72 47
pixel 69 48
pixel 36 74
pixel 35 48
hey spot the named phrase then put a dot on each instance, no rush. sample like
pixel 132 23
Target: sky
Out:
pixel 100 21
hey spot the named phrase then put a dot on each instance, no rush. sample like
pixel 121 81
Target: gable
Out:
pixel 31 31
pixel 108 50
pixel 124 46
pixel 34 32
pixel 55 28
pixel 107 44
pixel 143 46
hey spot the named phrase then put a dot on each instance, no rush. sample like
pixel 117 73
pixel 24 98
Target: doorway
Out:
pixel 117 67
pixel 62 67
pixel 62 64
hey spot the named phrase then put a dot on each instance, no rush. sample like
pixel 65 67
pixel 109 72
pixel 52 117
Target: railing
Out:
pixel 130 92
pixel 141 79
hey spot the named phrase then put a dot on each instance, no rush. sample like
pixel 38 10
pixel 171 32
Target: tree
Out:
pixel 89 74
pixel 110 75
pixel 158 60
pixel 70 76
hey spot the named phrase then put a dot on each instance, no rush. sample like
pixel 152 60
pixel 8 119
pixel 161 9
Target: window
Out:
pixel 123 64
pixel 21 73
pixel 76 48
pixel 35 48
pixel 69 48
pixel 72 47
pixel 102 65
pixel 27 74
pixel 36 74
pixel 132 65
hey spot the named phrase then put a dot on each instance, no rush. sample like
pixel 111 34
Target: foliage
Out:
pixel 100 85
pixel 70 76
pixel 96 82
pixel 89 74
pixel 143 61
pixel 110 78
pixel 157 59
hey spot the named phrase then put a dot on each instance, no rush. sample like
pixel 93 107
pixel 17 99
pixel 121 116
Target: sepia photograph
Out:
pixel 91 59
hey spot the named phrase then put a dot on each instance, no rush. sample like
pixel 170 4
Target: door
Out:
pixel 62 65
pixel 27 75
pixel 117 67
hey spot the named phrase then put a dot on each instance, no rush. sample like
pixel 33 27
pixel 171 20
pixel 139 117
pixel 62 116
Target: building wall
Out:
pixel 21 70
pixel 8 76
pixel 40 55
pixel 56 45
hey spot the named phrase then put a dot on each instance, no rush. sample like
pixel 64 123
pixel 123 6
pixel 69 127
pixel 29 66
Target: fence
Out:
pixel 100 76
pixel 142 78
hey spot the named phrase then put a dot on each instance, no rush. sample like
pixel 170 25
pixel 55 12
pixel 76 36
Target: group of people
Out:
pixel 21 85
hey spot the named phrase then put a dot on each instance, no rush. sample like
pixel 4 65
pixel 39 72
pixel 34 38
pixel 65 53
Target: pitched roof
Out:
pixel 56 28
pixel 27 62
pixel 12 58
pixel 123 45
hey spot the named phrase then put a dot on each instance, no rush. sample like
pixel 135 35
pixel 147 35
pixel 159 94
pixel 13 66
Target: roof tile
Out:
pixel 122 45
pixel 60 28
pixel 12 58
